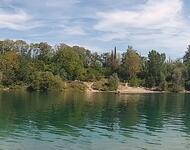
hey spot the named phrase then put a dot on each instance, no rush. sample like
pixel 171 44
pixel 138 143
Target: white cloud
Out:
pixel 154 14
pixel 18 20
pixel 145 24
pixel 157 22
pixel 75 30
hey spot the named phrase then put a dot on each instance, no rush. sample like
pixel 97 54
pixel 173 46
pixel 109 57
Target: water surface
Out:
pixel 101 121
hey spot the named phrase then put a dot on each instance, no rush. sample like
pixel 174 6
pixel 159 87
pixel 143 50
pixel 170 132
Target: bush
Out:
pixel 1 86
pixel 187 85
pixel 150 81
pixel 17 87
pixel 175 88
pixel 44 81
pixel 163 86
pixel 91 75
pixel 113 82
pixel 101 85
pixel 1 77
pixel 135 82
pixel 110 84
pixel 9 78
pixel 75 85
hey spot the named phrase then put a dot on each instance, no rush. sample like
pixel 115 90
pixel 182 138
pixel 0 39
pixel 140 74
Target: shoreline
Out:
pixel 123 88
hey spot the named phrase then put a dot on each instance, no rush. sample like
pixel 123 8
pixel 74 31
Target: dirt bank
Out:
pixel 123 88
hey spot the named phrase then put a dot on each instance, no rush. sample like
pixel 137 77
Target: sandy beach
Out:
pixel 123 88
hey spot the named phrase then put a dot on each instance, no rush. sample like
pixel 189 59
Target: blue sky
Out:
pixel 99 25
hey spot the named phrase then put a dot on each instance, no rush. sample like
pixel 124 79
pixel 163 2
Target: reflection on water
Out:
pixel 78 121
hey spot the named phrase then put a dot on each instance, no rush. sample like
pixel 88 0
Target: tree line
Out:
pixel 40 66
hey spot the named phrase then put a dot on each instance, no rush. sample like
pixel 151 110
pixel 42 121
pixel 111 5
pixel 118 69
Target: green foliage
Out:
pixel 17 87
pixel 175 88
pixel 1 86
pixel 92 74
pixel 163 84
pixel 69 63
pixel 110 84
pixel 135 82
pixel 155 68
pixel 174 77
pixel 75 85
pixel 43 67
pixel 45 81
pixel 113 82
pixel 101 85
pixel 177 81
pixel 9 66
pixel 186 58
pixel 1 77
pixel 131 63
pixel 187 85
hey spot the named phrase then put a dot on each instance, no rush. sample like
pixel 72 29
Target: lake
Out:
pixel 94 121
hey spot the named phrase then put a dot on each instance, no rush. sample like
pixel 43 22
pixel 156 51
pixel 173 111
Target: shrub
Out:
pixel 101 85
pixel 91 75
pixel 1 86
pixel 1 77
pixel 17 87
pixel 187 85
pixel 75 85
pixel 9 78
pixel 135 82
pixel 44 81
pixel 175 88
pixel 110 84
pixel 163 86
pixel 113 82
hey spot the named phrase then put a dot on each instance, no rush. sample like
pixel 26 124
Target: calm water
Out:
pixel 76 121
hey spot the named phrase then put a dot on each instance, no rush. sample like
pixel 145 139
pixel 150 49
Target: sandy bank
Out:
pixel 123 88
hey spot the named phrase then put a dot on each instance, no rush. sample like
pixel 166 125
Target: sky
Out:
pixel 99 25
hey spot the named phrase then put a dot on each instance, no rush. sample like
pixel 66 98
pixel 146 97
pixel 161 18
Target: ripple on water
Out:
pixel 149 122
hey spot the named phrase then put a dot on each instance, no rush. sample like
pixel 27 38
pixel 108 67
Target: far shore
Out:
pixel 123 88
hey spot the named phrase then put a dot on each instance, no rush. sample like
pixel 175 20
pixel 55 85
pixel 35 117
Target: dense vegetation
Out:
pixel 40 66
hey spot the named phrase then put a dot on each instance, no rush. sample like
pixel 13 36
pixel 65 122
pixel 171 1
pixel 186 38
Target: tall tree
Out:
pixel 114 60
pixel 155 68
pixel 69 63
pixel 131 63
pixel 22 47
pixel 186 58
pixel 9 66
pixel 6 45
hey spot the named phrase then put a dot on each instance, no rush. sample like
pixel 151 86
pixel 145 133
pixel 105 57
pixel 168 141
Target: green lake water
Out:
pixel 96 121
